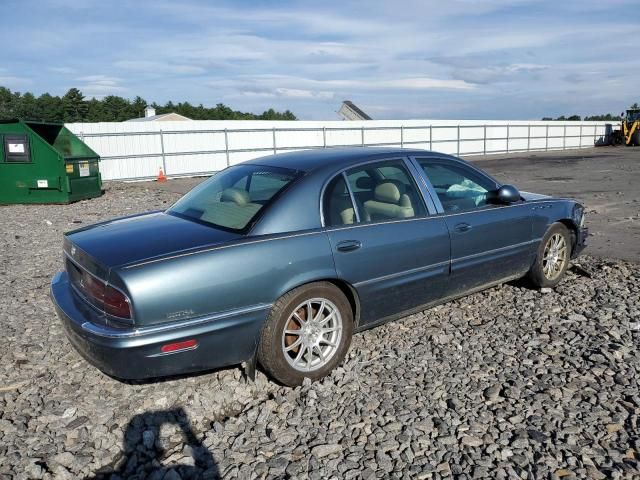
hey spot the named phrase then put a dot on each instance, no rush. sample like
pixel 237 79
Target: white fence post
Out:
pixel 430 137
pixel 484 142
pixel 274 140
pixel 507 138
pixel 164 160
pixel 226 145
pixel 546 139
pixel 401 136
pixel 580 142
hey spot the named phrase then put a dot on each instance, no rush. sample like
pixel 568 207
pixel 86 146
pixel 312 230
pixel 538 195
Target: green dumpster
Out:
pixel 42 162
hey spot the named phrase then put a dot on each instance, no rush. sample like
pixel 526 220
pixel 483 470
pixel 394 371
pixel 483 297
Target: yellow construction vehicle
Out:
pixel 629 133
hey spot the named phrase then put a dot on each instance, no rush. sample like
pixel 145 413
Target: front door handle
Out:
pixel 348 245
pixel 462 227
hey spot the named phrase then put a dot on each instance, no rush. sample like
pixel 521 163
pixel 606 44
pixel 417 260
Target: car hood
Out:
pixel 533 196
pixel 143 237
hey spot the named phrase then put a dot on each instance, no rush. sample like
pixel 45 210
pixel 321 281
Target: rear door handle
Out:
pixel 348 245
pixel 462 227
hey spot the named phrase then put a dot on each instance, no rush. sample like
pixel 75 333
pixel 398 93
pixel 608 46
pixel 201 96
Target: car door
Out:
pixel 489 242
pixel 385 242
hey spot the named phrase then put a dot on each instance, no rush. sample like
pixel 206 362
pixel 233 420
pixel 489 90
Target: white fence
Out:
pixel 137 150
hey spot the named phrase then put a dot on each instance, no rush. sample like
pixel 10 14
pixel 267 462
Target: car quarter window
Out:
pixel 385 191
pixel 458 187
pixel 338 208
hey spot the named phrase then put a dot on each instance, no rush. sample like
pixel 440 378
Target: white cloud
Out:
pixel 13 82
pixel 299 93
pixel 62 70
pixel 99 86
pixel 425 83
pixel 159 68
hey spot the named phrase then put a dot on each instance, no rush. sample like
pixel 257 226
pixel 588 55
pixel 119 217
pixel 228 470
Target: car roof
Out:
pixel 309 160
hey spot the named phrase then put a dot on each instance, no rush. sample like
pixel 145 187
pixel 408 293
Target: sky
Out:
pixel 454 59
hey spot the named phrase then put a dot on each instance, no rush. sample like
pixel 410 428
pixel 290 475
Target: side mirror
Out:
pixel 507 194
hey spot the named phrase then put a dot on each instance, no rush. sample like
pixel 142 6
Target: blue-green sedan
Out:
pixel 279 260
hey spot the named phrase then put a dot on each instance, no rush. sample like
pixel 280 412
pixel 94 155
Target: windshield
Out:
pixel 232 198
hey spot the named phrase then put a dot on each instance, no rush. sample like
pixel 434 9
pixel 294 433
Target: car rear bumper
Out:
pixel 581 241
pixel 135 353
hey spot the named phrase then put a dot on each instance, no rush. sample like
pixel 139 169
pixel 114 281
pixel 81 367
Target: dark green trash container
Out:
pixel 42 162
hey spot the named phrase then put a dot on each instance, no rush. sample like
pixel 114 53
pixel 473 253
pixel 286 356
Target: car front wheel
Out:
pixel 552 259
pixel 307 334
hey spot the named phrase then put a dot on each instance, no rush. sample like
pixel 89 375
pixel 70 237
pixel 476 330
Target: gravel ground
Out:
pixel 507 383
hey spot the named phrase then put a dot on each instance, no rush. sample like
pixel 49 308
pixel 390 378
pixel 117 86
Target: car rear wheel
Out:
pixel 307 334
pixel 552 259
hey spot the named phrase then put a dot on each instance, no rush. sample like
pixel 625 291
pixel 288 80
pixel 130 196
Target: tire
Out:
pixel 635 138
pixel 291 357
pixel 546 271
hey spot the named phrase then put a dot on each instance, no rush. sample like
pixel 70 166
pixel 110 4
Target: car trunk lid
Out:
pixel 139 238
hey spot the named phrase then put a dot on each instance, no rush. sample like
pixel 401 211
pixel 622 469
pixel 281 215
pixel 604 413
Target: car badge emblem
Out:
pixel 73 250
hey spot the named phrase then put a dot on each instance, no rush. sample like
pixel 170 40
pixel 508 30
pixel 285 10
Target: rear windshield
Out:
pixel 232 198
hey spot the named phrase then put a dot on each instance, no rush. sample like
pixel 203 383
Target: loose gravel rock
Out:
pixel 507 383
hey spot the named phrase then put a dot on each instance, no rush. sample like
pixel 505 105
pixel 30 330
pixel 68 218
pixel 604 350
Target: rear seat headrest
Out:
pixel 239 197
pixel 387 192
pixel 364 183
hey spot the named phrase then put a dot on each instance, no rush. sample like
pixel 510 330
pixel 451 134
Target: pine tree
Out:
pixel 75 108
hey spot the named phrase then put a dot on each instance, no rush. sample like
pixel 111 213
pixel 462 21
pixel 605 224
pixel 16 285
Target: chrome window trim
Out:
pixel 438 216
pixel 415 170
pixel 107 332
pixel 387 222
pixel 356 209
pixel 401 158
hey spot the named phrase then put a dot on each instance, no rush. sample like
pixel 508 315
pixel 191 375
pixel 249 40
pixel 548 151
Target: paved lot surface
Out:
pixel 507 383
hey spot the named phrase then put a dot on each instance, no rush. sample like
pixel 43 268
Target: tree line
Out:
pixel 577 118
pixel 74 107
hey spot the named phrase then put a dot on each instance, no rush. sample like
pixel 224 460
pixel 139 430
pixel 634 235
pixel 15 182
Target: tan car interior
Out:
pixel 389 201
pixel 234 209
pixel 341 211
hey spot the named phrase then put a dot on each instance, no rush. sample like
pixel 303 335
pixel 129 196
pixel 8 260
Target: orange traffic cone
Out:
pixel 161 176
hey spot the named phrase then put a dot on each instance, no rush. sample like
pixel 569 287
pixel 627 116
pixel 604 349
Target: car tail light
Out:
pixel 116 303
pixel 103 296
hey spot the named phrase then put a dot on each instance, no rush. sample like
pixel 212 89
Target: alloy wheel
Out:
pixel 312 334
pixel 555 256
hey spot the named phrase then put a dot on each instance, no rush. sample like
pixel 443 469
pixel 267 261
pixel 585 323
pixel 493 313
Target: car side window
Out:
pixel 388 194
pixel 338 208
pixel 459 188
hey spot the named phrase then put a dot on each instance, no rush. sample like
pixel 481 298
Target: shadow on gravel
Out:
pixel 574 268
pixel 147 456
